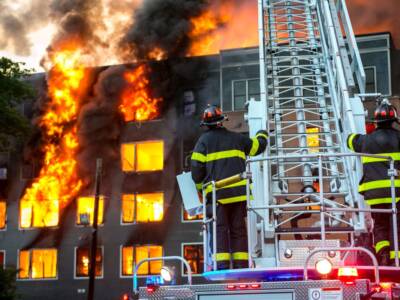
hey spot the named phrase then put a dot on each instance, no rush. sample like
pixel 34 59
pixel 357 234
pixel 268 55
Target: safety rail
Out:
pixel 162 258
pixel 392 172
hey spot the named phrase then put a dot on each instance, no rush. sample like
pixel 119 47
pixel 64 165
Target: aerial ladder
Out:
pixel 306 206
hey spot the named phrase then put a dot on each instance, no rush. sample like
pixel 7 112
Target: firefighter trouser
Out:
pixel 383 230
pixel 231 236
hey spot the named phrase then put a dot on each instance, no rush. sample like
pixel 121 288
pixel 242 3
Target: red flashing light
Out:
pixel 151 289
pixel 243 286
pixel 125 297
pixel 231 287
pixel 255 286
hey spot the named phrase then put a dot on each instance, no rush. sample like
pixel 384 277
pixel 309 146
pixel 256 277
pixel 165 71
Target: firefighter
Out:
pixel 375 183
pixel 218 154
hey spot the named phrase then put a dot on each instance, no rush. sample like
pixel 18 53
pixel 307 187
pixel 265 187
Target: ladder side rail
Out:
pixel 354 53
pixel 340 99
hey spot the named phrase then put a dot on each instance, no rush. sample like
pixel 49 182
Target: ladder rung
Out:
pixel 314 229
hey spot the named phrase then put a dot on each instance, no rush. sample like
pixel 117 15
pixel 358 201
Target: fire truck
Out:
pixel 307 222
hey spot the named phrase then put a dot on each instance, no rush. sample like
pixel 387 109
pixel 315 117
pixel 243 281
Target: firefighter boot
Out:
pixel 383 257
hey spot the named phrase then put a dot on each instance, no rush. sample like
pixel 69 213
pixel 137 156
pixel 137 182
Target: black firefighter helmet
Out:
pixel 212 116
pixel 385 112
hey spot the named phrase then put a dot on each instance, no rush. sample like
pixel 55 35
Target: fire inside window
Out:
pixel 194 255
pixel 142 156
pixel 188 217
pixel 313 139
pixel 3 214
pixel 44 213
pixel 85 211
pixel 37 264
pixel 142 207
pixel 139 253
pixel 82 263
pixel 2 259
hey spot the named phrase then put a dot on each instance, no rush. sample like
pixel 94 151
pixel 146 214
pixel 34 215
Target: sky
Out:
pixel 35 29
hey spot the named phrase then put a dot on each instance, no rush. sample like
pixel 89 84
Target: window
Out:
pixel 2 259
pixel 193 253
pixel 85 211
pixel 187 217
pixel 3 214
pixel 43 213
pixel 37 264
pixel 142 207
pixel 134 254
pixel 142 156
pixel 370 79
pixel 82 262
pixel 244 90
pixel 313 139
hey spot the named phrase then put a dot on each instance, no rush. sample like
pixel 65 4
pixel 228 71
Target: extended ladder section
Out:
pixel 306 189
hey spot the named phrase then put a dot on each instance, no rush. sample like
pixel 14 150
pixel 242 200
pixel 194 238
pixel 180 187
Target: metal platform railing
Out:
pixel 325 208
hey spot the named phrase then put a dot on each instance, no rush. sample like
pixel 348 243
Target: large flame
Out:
pixel 58 182
pixel 137 104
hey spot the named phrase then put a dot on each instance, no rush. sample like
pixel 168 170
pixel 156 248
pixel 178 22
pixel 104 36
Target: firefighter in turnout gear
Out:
pixel 219 154
pixel 375 183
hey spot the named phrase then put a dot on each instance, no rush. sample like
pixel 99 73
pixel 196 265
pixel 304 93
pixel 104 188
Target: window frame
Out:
pixel 87 277
pixel 246 80
pixel 183 256
pixel 135 159
pixel 121 275
pixel 30 266
pixel 135 222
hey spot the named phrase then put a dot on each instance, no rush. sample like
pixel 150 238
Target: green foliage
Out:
pixel 13 91
pixel 8 284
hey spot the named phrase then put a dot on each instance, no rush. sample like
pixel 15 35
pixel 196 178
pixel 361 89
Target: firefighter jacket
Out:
pixel 375 183
pixel 220 153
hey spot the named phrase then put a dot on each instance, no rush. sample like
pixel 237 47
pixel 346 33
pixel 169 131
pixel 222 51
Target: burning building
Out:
pixel 142 120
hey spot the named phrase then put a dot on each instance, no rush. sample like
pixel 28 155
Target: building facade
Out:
pixel 141 213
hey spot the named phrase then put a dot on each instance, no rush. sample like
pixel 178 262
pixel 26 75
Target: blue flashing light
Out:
pixel 155 280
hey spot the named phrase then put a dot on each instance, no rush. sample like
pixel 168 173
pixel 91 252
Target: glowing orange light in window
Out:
pixel 143 252
pixel 3 214
pixel 39 213
pixel 313 138
pixel 38 263
pixel 86 210
pixel 150 207
pixel 142 156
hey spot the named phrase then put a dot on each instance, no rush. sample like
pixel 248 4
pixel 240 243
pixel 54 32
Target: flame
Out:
pixel 58 182
pixel 137 103
pixel 224 25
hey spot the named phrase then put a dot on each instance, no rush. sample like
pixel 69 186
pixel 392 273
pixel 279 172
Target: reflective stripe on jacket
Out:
pixel 219 154
pixel 375 183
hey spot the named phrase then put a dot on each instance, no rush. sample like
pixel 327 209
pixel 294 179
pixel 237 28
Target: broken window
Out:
pixel 313 139
pixel 37 264
pixel 85 211
pixel 142 156
pixel 132 255
pixel 142 207
pixel 3 214
pixel 43 213
pixel 82 262
pixel 193 253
